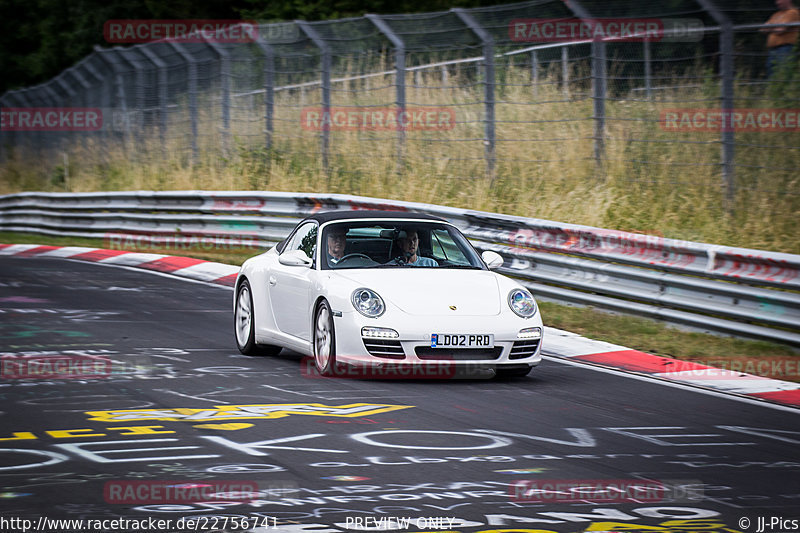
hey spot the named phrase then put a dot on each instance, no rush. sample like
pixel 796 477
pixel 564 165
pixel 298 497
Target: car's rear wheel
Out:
pixel 513 372
pixel 324 340
pixel 244 324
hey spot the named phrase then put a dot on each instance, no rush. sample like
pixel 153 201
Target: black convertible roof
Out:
pixel 329 216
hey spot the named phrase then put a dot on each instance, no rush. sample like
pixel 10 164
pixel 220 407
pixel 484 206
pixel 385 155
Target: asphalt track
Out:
pixel 154 417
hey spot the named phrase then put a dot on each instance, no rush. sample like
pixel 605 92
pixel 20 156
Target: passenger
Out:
pixel 409 242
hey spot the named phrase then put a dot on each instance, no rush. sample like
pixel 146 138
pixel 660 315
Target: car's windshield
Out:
pixel 395 244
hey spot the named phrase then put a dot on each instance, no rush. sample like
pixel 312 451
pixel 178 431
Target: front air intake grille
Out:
pixel 386 349
pixel 458 354
pixel 523 349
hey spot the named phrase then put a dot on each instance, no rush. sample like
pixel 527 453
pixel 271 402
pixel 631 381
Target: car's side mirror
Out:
pixel 294 258
pixel 492 259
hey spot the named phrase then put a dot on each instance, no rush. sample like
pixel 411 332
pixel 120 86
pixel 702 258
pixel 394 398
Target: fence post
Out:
pixel 599 99
pixel 105 99
pixel 225 74
pixel 56 102
pixel 598 87
pixel 535 73
pixel 727 101
pixel 400 80
pixel 66 87
pixel 192 71
pixel 320 43
pixel 84 97
pixel 269 93
pixel 139 107
pixel 4 140
pixel 71 95
pixel 162 66
pixel 489 83
pixel 17 139
pixel 565 70
pixel 648 70
pixel 75 73
pixel 111 58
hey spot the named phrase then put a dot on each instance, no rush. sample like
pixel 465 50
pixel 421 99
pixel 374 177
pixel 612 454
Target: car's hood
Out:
pixel 430 291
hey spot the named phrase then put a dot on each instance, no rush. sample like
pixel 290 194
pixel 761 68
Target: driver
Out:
pixel 409 243
pixel 336 241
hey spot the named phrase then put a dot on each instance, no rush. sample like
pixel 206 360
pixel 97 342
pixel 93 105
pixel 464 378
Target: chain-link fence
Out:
pixel 519 92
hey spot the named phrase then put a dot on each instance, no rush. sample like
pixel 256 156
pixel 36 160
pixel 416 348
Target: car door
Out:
pixel 290 285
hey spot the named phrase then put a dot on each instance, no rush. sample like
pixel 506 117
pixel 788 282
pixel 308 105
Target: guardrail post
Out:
pixel 269 93
pixel 727 101
pixel 192 71
pixel 320 43
pixel 400 80
pixel 489 83
pixel 163 85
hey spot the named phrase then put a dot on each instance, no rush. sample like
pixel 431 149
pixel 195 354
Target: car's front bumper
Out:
pixel 412 347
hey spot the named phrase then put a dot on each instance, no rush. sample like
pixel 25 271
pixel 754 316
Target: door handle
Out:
pixel 272 281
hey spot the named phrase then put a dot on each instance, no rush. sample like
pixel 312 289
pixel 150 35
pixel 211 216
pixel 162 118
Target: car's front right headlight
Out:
pixel 522 303
pixel 368 302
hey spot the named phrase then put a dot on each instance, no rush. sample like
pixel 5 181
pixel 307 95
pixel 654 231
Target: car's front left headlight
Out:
pixel 522 303
pixel 368 302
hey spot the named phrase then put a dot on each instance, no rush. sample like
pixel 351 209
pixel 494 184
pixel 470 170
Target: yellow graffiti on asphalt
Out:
pixel 238 412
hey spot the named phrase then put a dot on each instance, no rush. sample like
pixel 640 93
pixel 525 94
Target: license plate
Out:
pixel 448 340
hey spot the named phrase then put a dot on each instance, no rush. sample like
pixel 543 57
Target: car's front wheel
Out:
pixel 244 326
pixel 324 340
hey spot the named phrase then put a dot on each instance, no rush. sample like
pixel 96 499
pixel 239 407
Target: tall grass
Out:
pixel 669 185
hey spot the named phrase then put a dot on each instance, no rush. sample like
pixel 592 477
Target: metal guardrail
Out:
pixel 738 291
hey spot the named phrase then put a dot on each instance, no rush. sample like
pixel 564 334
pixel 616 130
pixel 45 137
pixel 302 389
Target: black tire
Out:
pixel 324 340
pixel 514 372
pixel 244 324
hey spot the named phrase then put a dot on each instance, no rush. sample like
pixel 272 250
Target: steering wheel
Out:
pixel 354 256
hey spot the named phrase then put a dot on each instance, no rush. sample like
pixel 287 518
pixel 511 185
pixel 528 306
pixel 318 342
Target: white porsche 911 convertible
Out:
pixel 375 288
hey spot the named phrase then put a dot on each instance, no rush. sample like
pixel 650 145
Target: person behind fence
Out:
pixel 336 242
pixel 782 40
pixel 408 241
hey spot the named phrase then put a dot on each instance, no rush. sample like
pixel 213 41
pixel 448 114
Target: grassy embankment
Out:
pixel 544 170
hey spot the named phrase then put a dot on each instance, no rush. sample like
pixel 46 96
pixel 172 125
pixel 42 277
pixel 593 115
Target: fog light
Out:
pixel 530 333
pixel 380 333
